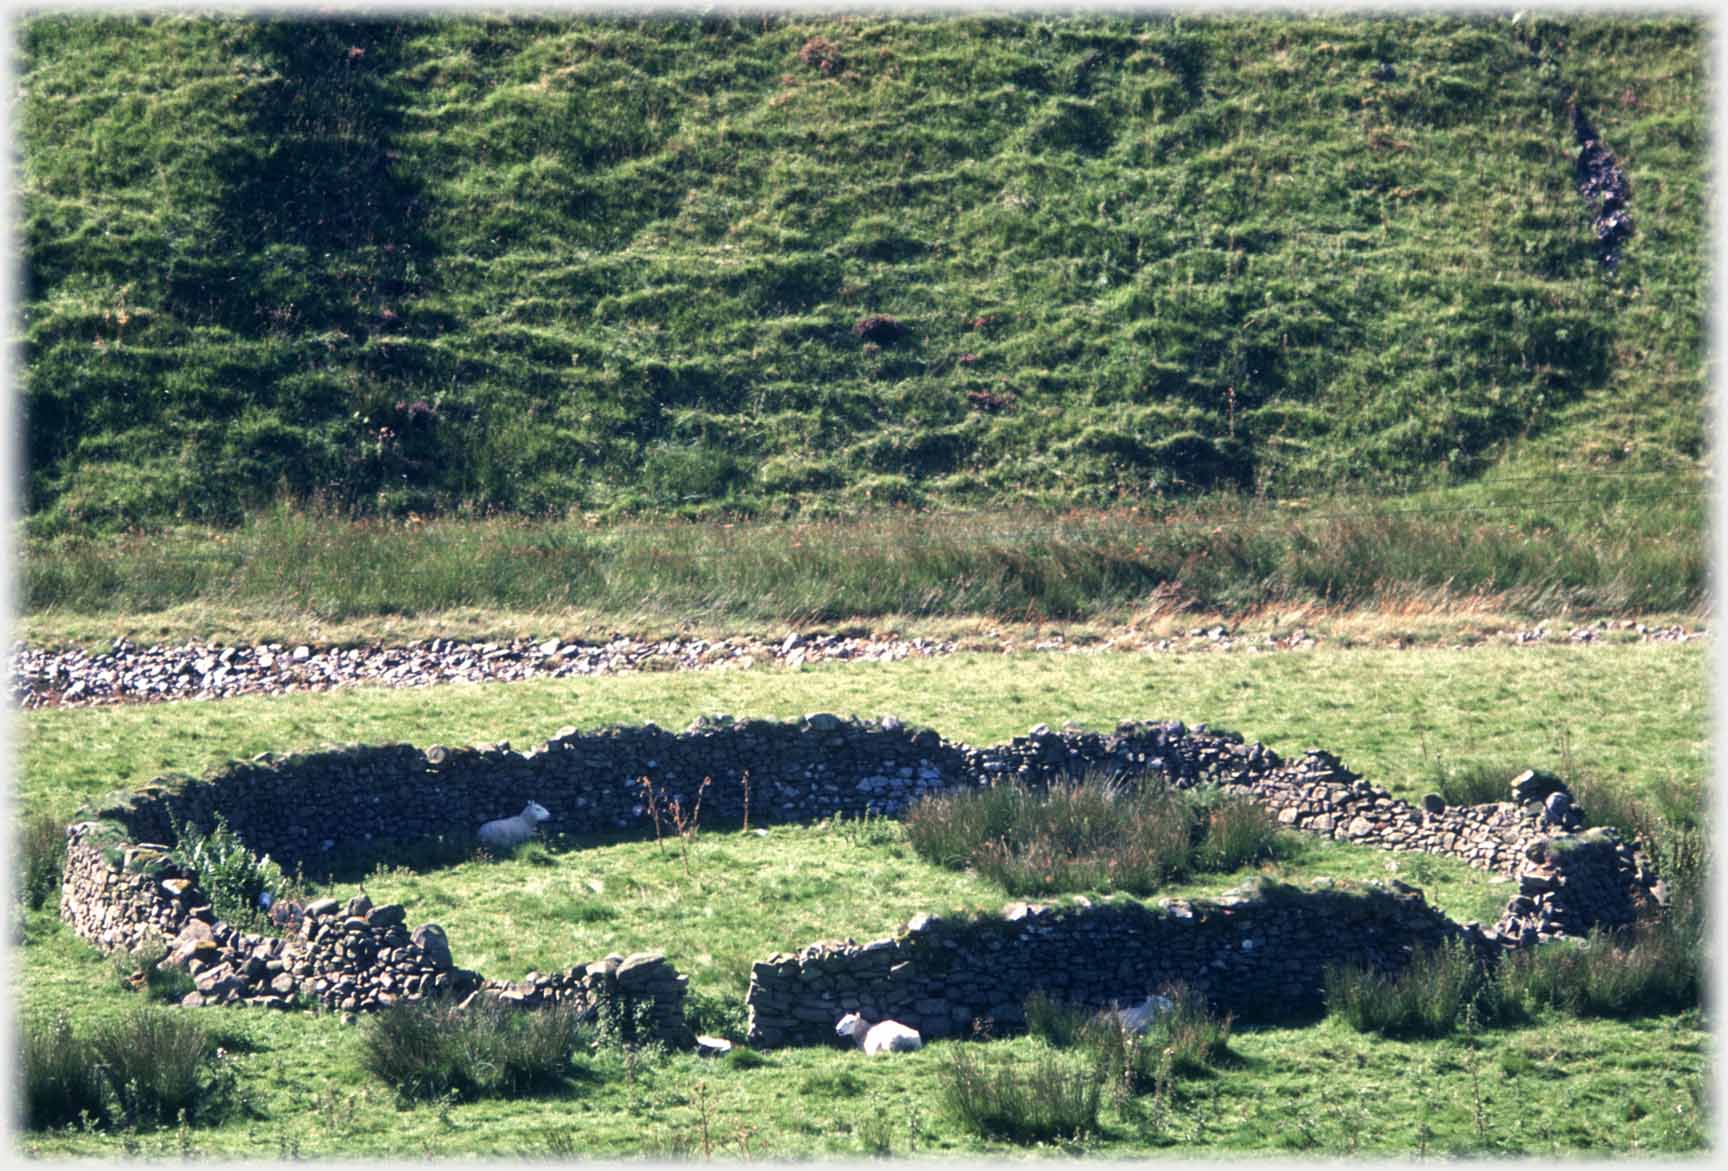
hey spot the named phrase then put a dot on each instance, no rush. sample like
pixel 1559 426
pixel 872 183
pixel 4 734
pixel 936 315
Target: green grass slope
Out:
pixel 544 264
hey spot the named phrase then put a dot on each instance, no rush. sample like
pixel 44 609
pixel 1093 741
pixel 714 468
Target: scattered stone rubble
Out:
pixel 119 894
pixel 346 957
pixel 128 673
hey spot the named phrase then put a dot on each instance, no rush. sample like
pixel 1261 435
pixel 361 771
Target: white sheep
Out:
pixel 882 1037
pixel 1139 1018
pixel 513 831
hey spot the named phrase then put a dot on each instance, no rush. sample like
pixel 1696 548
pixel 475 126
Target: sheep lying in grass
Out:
pixel 882 1037
pixel 1139 1018
pixel 508 832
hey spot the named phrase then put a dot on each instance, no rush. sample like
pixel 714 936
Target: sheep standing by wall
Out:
pixel 508 832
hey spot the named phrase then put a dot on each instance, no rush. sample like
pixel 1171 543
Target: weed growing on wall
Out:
pixel 225 868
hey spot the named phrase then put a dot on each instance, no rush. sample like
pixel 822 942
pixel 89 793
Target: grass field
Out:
pixel 1633 713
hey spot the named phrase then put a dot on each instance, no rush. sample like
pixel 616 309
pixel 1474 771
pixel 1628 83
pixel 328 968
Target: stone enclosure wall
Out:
pixel 119 895
pixel 350 957
pixel 1257 957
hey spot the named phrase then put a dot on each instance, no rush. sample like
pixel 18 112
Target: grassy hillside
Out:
pixel 542 265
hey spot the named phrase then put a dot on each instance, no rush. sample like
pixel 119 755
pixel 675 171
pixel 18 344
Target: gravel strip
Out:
pixel 127 673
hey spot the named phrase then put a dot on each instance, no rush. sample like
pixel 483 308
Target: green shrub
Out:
pixel 428 1049
pixel 1052 1096
pixel 227 871
pixel 59 1081
pixel 718 1016
pixel 41 859
pixel 158 1065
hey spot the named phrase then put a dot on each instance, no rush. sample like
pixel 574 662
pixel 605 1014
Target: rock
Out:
pixel 388 915
pixel 1433 803
pixel 822 722
pixel 319 907
pixel 1557 808
pixel 1532 785
pixel 195 953
pixel 712 1046
pixel 640 968
pixel 431 940
pixel 358 907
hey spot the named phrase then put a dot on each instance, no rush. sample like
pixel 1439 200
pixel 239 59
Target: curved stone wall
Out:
pixel 119 894
pixel 1259 957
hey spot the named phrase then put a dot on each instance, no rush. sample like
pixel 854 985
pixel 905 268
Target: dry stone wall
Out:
pixel 1259 957
pixel 348 957
pixel 298 808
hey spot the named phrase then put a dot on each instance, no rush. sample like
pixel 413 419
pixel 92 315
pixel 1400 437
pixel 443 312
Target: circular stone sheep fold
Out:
pixel 120 892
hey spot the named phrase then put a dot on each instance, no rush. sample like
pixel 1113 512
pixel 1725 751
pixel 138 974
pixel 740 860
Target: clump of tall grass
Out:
pixel 59 1083
pixel 145 1068
pixel 428 1049
pixel 1657 965
pixel 1426 999
pixel 1655 968
pixel 1188 1038
pixel 1469 782
pixel 1051 1096
pixel 158 1063
pixel 1094 834
pixel 40 860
